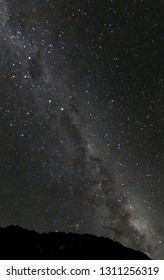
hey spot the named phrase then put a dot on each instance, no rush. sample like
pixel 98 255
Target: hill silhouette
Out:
pixel 19 243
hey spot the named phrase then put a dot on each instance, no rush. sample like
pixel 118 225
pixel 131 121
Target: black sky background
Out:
pixel 82 118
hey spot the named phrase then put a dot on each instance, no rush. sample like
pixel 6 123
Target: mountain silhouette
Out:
pixel 19 243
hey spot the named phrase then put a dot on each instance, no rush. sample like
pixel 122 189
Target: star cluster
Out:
pixel 81 110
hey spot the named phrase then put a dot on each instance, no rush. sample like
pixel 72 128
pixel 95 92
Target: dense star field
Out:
pixel 81 114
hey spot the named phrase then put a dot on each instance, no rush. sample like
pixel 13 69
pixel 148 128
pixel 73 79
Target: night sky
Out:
pixel 81 119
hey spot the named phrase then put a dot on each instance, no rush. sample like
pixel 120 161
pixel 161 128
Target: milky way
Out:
pixel 81 91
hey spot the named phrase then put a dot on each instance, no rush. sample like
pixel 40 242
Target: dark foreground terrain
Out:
pixel 19 243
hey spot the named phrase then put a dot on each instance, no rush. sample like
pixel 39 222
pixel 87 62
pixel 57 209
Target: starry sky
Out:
pixel 81 111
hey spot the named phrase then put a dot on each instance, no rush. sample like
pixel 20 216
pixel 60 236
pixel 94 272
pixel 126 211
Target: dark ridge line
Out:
pixel 20 243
